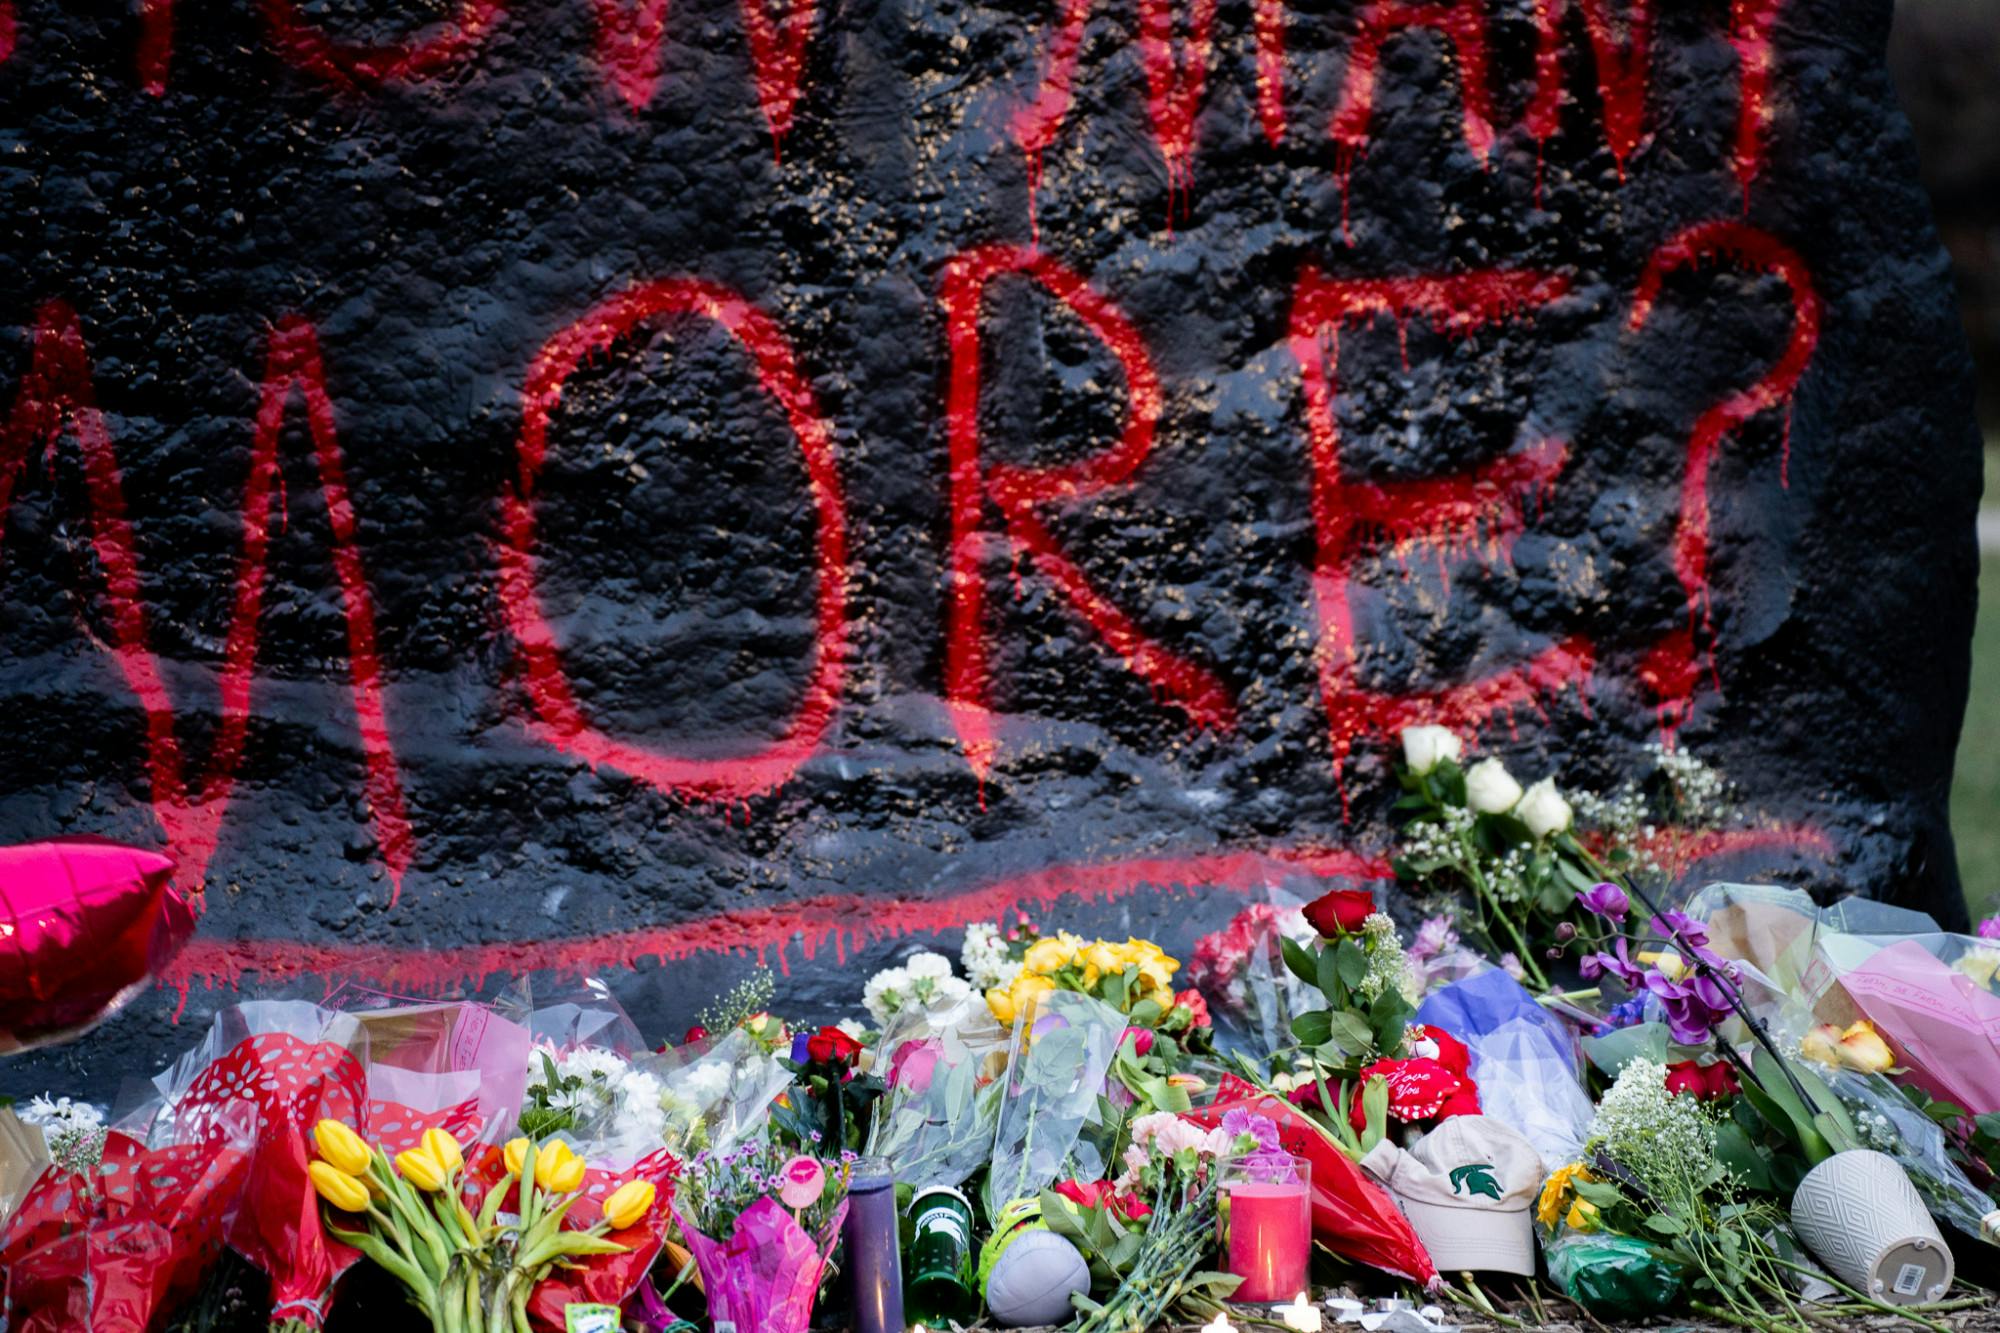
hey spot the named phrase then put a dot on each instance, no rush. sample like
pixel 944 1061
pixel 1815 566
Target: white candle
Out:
pixel 1300 1316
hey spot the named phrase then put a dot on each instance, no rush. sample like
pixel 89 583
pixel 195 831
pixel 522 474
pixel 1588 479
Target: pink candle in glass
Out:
pixel 1270 1238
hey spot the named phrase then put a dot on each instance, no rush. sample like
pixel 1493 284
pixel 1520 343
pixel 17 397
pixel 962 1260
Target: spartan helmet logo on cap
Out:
pixel 1475 1178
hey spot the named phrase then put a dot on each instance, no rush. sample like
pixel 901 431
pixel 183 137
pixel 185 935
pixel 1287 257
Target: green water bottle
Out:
pixel 937 1287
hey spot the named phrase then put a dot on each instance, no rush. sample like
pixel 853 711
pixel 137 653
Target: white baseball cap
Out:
pixel 1467 1187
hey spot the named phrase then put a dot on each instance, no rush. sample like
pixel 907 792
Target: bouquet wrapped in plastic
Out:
pixel 943 1088
pixel 1062 1051
pixel 278 1067
pixel 114 1232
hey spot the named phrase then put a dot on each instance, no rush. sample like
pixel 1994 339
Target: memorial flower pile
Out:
pixel 1563 1067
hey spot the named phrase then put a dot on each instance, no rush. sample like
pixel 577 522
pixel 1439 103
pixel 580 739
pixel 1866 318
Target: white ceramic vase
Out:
pixel 1860 1215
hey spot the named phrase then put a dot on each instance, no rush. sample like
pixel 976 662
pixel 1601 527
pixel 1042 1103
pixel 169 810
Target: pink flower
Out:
pixel 801 1183
pixel 1989 929
pixel 913 1066
pixel 1142 1041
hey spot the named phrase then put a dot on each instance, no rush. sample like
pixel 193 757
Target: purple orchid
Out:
pixel 1989 929
pixel 1606 900
pixel 1693 1006
pixel 1618 964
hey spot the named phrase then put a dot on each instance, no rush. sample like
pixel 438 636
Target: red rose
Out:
pixel 1340 912
pixel 1706 1082
pixel 831 1046
pixel 695 1034
pixel 1192 1001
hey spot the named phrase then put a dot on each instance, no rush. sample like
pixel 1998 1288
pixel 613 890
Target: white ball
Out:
pixel 1031 1282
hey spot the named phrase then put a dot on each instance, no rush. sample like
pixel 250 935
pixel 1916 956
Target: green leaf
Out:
pixel 1735 1151
pixel 1598 1193
pixel 1351 961
pixel 1302 963
pixel 1347 1031
pixel 1665 1224
pixel 1327 975
pixel 1313 1028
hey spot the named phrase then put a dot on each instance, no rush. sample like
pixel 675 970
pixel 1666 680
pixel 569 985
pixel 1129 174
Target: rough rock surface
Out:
pixel 541 484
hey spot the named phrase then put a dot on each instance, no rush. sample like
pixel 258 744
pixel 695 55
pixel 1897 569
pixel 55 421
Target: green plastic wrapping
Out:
pixel 1611 1276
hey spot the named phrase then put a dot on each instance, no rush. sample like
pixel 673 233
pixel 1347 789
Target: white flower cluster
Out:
pixel 73 1131
pixel 925 982
pixel 985 959
pixel 1701 795
pixel 1388 968
pixel 1644 1126
pixel 608 1088
pixel 59 1115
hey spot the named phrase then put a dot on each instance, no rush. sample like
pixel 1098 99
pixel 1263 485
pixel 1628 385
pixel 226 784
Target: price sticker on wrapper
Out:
pixel 581 1318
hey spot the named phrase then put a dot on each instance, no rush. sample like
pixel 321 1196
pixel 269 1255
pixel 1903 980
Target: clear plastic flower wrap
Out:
pixel 1240 971
pixel 1058 1060
pixel 719 1097
pixel 1890 1123
pixel 941 1107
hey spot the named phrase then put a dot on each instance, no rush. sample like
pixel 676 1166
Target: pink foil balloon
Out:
pixel 84 924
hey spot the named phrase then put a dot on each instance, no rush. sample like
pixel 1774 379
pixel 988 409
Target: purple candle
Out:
pixel 874 1253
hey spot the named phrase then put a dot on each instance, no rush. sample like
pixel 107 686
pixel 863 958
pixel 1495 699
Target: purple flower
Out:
pixel 1606 900
pixel 1681 928
pixel 1693 1006
pixel 1436 935
pixel 1618 964
pixel 1989 929
pixel 800 1054
pixel 1262 1128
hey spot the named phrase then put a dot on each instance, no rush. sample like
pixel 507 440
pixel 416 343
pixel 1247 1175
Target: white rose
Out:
pixel 1424 748
pixel 1490 788
pixel 1544 810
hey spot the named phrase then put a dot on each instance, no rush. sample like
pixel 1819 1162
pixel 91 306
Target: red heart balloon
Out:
pixel 84 924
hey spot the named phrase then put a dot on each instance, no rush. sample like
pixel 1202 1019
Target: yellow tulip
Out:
pixel 515 1155
pixel 420 1169
pixel 1582 1216
pixel 338 1188
pixel 1001 1001
pixel 562 1175
pixel 628 1204
pixel 1863 1049
pixel 341 1147
pixel 443 1149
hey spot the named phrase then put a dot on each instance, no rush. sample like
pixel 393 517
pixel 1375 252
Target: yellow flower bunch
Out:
pixel 467 1274
pixel 1126 974
pixel 1557 1199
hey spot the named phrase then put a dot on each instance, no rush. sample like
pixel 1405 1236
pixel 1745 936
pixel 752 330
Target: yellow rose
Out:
pixel 1027 994
pixel 1000 1000
pixel 1862 1048
pixel 1045 956
pixel 341 1147
pixel 1556 1191
pixel 1822 1044
pixel 1103 958
pixel 1582 1216
pixel 337 1187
